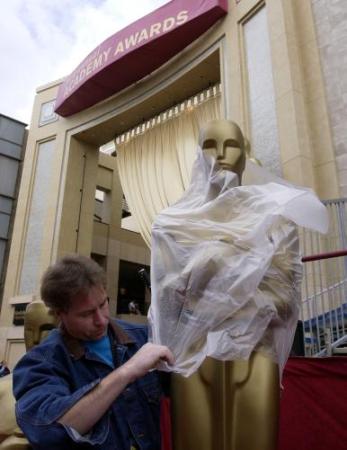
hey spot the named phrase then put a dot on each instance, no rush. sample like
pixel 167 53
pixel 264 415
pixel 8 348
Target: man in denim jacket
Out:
pixel 90 383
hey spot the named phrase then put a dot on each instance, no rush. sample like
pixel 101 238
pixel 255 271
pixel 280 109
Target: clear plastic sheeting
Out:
pixel 226 268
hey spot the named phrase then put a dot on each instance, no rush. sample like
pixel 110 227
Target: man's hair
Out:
pixel 68 277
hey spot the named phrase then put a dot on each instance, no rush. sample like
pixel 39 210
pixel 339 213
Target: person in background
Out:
pixel 90 383
pixel 134 308
pixel 122 301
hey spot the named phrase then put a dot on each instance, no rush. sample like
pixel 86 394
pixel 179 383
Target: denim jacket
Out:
pixel 53 376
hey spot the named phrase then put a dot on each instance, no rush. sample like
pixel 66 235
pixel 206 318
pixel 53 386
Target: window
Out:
pixel 47 114
pixel 102 210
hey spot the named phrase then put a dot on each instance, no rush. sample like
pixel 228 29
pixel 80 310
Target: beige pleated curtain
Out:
pixel 155 159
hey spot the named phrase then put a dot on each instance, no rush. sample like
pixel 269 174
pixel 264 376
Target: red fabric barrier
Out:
pixel 165 424
pixel 314 404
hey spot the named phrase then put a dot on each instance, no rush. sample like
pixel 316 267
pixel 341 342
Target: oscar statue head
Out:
pixel 38 321
pixel 223 139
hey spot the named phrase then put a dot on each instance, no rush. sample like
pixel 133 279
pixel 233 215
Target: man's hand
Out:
pixel 146 359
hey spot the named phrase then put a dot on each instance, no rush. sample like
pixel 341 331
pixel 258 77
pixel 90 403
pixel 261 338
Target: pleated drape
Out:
pixel 155 166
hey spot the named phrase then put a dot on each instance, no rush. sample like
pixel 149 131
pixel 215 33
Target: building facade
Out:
pixel 12 140
pixel 275 67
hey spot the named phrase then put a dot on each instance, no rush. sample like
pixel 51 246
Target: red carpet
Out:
pixel 314 404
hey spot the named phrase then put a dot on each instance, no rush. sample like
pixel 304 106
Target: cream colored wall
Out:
pixel 306 146
pixel 77 217
pixel 303 98
pixel 12 338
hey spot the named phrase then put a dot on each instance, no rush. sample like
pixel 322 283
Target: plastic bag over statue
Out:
pixel 226 268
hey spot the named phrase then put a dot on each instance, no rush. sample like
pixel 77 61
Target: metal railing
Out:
pixel 324 289
pixel 324 313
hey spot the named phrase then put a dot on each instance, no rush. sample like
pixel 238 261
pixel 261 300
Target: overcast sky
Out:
pixel 44 40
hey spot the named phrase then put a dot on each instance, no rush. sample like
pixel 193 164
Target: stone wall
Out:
pixel 331 28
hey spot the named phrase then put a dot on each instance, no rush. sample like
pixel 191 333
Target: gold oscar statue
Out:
pixel 227 405
pixel 37 323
